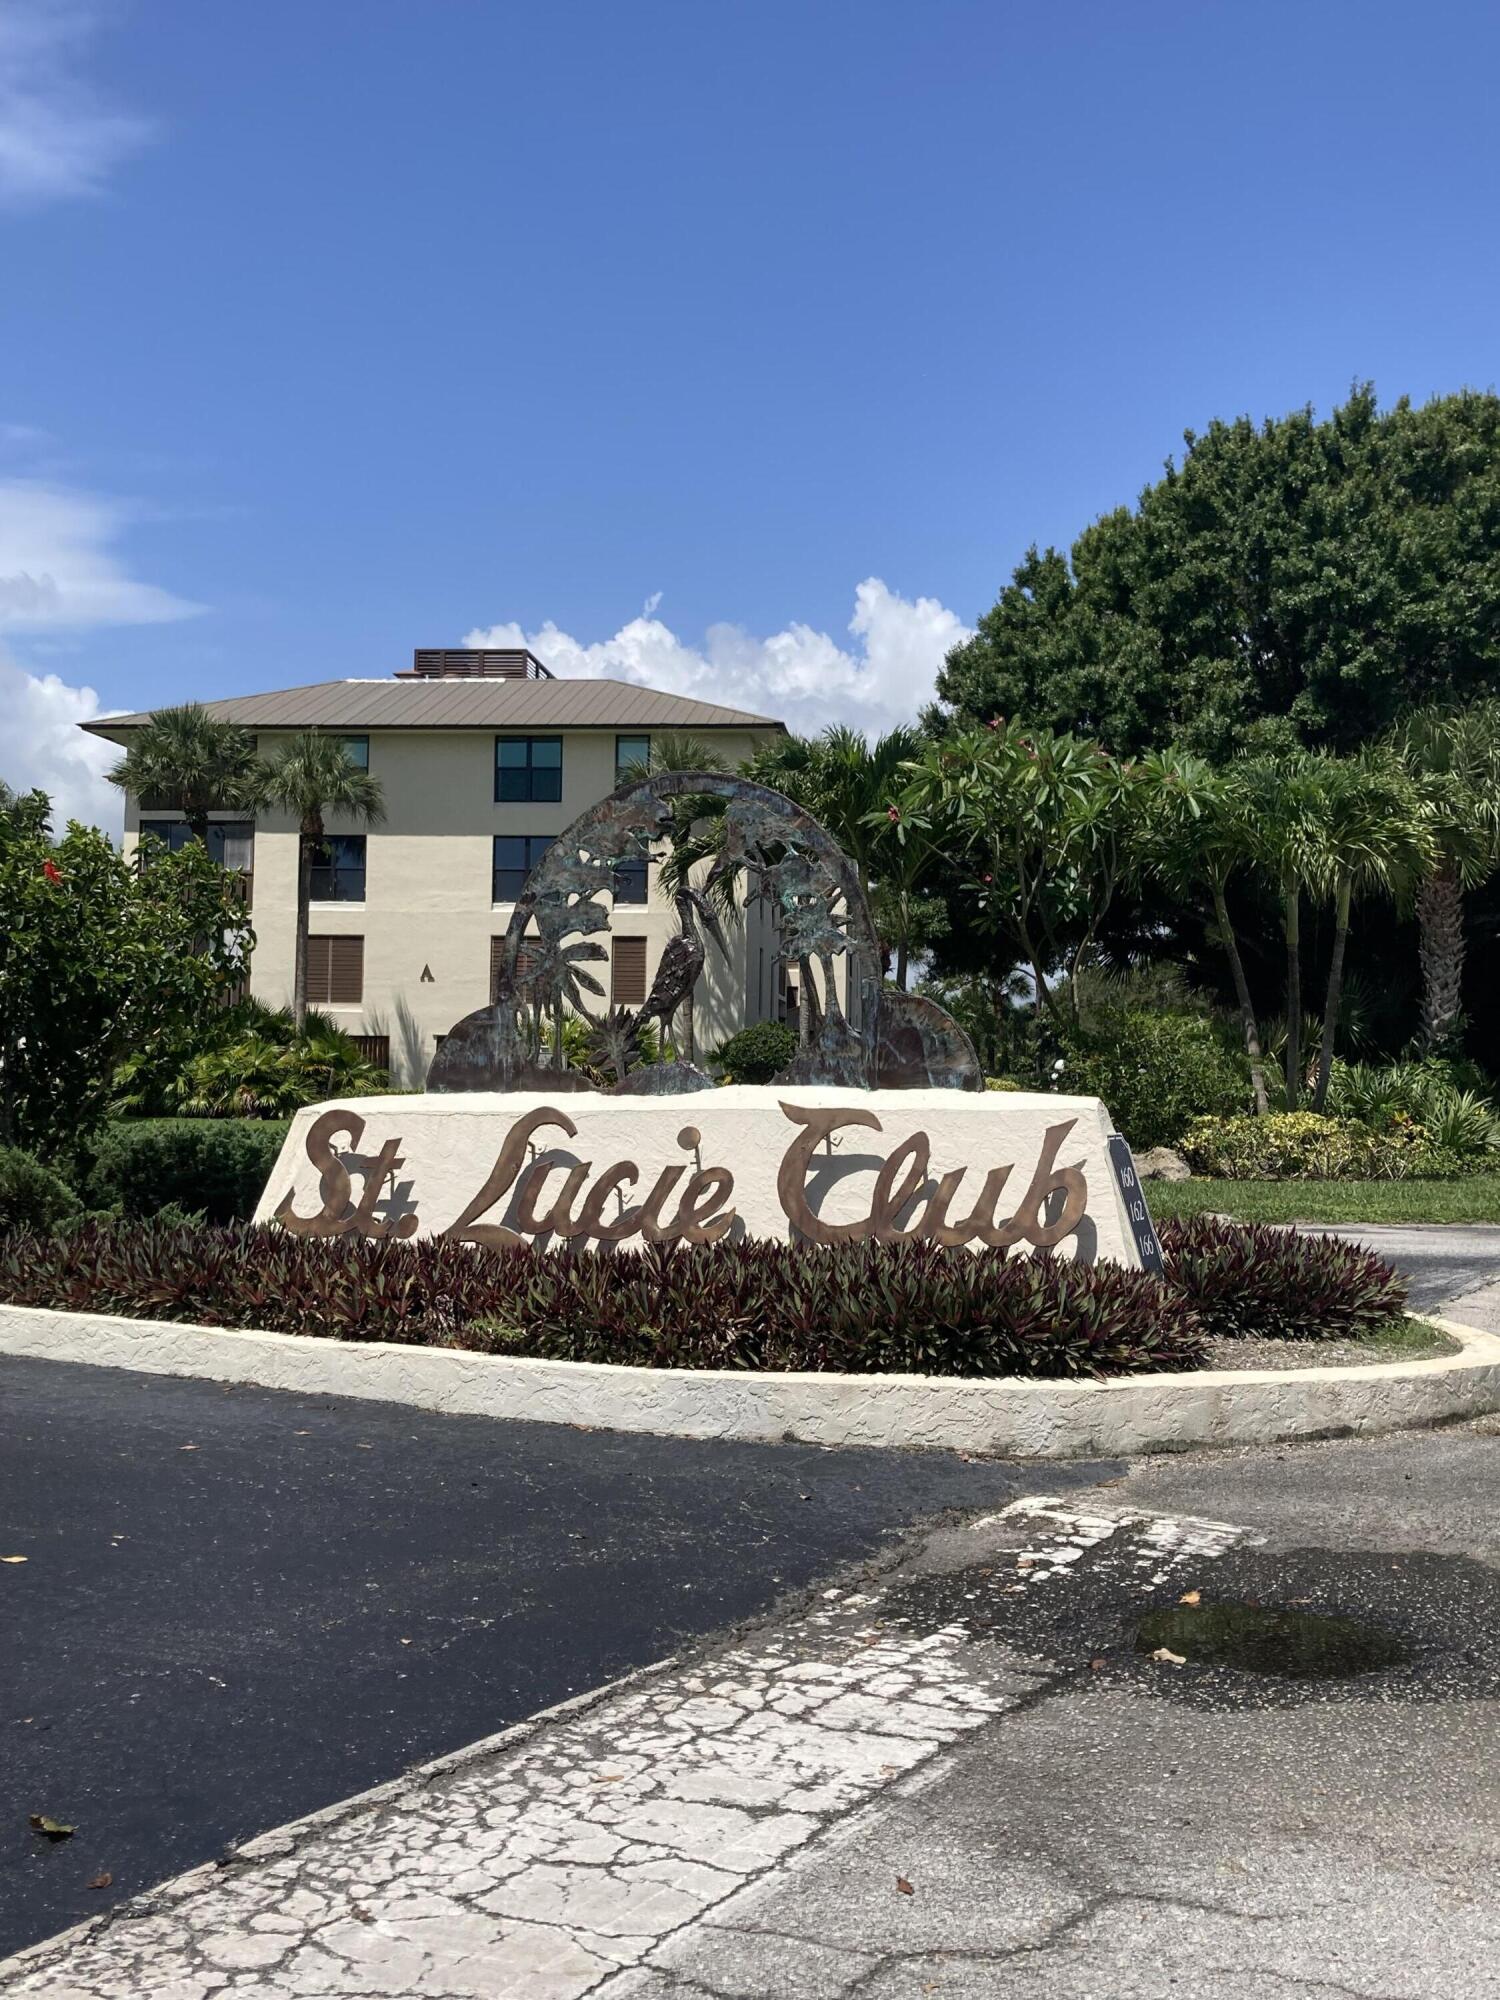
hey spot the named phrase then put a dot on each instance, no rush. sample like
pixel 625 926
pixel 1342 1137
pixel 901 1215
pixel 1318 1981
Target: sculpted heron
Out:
pixel 681 964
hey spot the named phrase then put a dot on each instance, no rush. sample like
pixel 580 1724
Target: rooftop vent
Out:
pixel 463 663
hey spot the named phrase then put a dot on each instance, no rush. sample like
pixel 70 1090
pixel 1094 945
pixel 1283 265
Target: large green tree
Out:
pixel 1292 581
pixel 98 959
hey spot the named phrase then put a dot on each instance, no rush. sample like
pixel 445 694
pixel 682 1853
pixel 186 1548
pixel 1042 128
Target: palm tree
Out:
pixel 191 763
pixel 1376 837
pixel 1454 757
pixel 1201 838
pixel 312 777
pixel 1285 806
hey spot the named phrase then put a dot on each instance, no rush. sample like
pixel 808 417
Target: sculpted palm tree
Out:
pixel 311 778
pixel 190 763
pixel 848 784
pixel 1376 839
pixel 1453 756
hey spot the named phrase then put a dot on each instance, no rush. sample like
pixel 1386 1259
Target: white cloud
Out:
pixel 59 574
pixel 58 137
pixel 57 569
pixel 801 675
pixel 41 745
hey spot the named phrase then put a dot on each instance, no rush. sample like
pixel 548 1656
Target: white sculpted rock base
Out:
pixel 790 1163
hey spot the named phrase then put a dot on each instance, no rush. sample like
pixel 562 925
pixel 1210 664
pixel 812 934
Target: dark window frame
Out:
pixel 528 782
pixel 631 736
pixel 336 881
pixel 359 763
pixel 152 829
pixel 631 884
pixel 515 872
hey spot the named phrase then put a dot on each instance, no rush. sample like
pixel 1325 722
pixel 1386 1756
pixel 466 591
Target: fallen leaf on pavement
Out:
pixel 12 1559
pixel 187 1447
pixel 903 1887
pixel 1098 1663
pixel 1191 1597
pixel 1168 1658
pixel 102 1881
pixel 54 1829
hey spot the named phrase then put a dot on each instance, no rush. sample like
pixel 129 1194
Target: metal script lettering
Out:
pixel 340 1215
pixel 903 1175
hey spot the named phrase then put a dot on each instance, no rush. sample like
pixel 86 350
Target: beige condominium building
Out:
pixel 483 759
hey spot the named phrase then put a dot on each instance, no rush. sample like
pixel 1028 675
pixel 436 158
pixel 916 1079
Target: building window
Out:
pixel 528 768
pixel 627 985
pixel 375 1049
pixel 516 854
pixel 357 750
pixel 335 971
pixel 629 884
pixel 631 752
pixel 338 869
pixel 231 842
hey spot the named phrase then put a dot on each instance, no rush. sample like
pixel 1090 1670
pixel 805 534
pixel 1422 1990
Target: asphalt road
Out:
pixel 240 1605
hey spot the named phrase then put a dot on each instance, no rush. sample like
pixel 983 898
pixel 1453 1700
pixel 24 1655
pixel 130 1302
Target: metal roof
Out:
pixel 465 704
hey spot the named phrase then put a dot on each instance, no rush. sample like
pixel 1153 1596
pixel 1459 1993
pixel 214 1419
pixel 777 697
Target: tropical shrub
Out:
pixel 1156 1073
pixel 97 958
pixel 1245 1280
pixel 585 1047
pixel 214 1167
pixel 1438 1095
pixel 32 1196
pixel 245 1061
pixel 757 1053
pixel 1302 1145
pixel 906 1307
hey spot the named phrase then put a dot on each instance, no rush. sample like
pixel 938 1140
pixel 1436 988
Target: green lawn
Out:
pixel 1476 1198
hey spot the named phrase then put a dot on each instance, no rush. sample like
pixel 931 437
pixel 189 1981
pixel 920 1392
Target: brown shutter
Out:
pixel 525 960
pixel 317 971
pixel 346 971
pixel 628 983
pixel 335 971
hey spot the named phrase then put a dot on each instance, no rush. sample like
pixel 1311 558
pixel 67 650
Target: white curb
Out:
pixel 1001 1417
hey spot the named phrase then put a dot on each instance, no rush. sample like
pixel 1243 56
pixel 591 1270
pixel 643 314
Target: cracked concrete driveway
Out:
pixel 239 1606
pixel 954 1777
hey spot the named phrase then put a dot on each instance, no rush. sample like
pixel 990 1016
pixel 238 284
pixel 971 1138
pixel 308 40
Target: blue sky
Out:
pixel 334 329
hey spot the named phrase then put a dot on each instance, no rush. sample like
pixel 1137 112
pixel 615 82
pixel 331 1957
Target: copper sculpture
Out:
pixel 752 843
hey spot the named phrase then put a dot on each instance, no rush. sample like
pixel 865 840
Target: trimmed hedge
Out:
pixel 757 1054
pixel 1304 1145
pixel 32 1196
pixel 897 1308
pixel 215 1167
pixel 1247 1280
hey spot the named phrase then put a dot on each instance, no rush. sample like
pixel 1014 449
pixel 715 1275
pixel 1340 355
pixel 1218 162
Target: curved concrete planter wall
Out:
pixel 1001 1418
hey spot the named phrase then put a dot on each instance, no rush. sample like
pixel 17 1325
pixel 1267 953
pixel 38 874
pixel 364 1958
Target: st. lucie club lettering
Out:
pixel 906 1202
